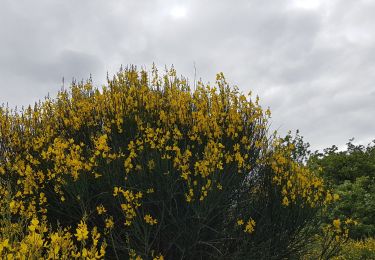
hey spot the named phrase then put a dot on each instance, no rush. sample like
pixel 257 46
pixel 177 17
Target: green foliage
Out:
pixel 351 250
pixel 358 250
pixel 358 201
pixel 351 173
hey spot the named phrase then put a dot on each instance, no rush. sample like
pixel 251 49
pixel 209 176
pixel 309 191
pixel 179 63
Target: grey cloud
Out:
pixel 77 65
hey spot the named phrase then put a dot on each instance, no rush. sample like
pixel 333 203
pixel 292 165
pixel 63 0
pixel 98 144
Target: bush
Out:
pixel 157 170
pixel 351 173
pixel 358 249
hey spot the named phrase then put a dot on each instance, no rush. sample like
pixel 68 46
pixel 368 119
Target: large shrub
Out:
pixel 158 170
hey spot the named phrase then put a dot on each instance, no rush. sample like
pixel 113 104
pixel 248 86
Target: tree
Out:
pixel 351 173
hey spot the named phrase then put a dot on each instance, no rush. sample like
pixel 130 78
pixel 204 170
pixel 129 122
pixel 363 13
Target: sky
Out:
pixel 311 61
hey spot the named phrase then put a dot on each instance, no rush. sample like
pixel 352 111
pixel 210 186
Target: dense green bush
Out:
pixel 351 173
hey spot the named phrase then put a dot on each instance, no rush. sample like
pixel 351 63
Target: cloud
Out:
pixel 312 62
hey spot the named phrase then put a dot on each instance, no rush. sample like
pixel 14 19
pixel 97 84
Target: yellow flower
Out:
pixel 250 225
pixel 101 210
pixel 240 222
pixel 42 198
pixel 151 164
pixel 35 239
pixel 109 223
pixel 150 220
pixel 336 223
pixel 12 205
pixel 84 252
pixel 81 231
pixel 4 244
pixel 160 257
pixel 285 201
pixel 34 224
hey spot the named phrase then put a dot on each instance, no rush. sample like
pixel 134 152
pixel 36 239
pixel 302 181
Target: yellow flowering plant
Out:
pixel 152 165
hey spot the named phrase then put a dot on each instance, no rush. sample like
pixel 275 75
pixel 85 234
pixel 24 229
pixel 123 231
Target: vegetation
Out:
pixel 351 173
pixel 358 249
pixel 147 168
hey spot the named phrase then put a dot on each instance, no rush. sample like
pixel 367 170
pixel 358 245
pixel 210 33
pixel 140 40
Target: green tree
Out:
pixel 351 173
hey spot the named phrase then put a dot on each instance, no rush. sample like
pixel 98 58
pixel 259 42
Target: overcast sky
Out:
pixel 312 62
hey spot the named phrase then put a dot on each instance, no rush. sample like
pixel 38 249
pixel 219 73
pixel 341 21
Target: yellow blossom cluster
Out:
pixel 341 228
pixel 130 205
pixel 249 225
pixel 358 249
pixel 297 182
pixel 336 234
pixel 86 150
pixel 150 220
pixel 39 242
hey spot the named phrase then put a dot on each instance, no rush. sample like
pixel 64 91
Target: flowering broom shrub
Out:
pixel 147 168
